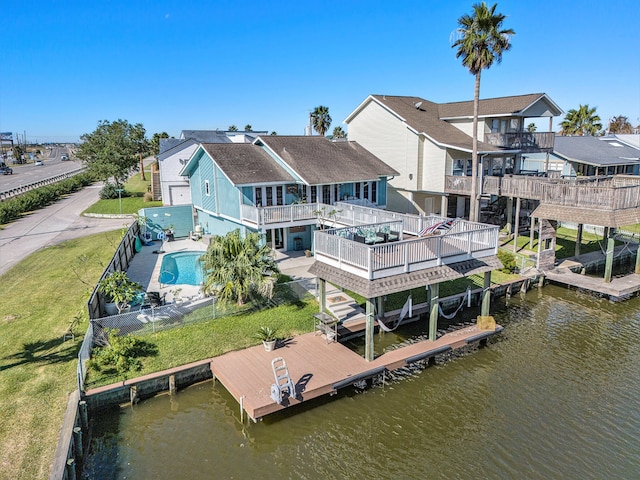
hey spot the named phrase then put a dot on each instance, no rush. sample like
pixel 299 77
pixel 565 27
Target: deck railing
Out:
pixel 609 193
pixel 523 141
pixel 465 240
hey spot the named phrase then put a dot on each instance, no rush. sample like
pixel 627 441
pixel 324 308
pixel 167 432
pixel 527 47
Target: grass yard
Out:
pixel 38 300
pixel 135 189
pixel 565 243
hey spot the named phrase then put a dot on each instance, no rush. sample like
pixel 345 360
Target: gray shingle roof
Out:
pixel 205 136
pixel 404 281
pixel 318 160
pixel 246 163
pixel 426 119
pixel 489 107
pixel 596 150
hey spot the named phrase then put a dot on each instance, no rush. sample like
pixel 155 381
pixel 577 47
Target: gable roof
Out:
pixel 598 151
pixel 495 107
pixel 318 160
pixel 246 163
pixel 425 119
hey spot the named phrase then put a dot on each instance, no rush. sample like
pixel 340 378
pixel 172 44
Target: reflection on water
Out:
pixel 555 396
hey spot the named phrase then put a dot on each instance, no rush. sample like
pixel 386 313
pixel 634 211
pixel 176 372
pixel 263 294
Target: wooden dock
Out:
pixel 618 288
pixel 319 368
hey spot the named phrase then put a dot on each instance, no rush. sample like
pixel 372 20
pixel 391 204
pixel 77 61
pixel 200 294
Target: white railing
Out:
pixel 464 241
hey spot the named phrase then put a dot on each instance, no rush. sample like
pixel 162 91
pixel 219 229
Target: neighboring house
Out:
pixel 587 156
pixel 174 153
pixel 281 185
pixel 430 143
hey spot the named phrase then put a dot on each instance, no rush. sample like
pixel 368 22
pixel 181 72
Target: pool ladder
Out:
pixel 283 381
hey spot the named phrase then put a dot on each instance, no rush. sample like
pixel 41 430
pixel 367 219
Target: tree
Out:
pixel 233 128
pixel 237 268
pixel 338 132
pixel 482 42
pixel 112 149
pixel 583 121
pixel 620 124
pixel 155 142
pixel 274 133
pixel 321 120
pixel 531 127
pixel 248 128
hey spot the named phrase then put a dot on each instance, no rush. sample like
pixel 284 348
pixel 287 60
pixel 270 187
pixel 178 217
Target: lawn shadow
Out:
pixel 50 351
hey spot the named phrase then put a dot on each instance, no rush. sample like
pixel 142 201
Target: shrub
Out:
pixel 148 197
pixel 508 261
pixel 109 191
pixel 121 353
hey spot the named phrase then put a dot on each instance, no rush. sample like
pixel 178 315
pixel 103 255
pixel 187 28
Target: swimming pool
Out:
pixel 181 268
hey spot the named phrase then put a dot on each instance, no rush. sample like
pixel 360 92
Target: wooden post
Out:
pixel 578 240
pixel 71 469
pixel 84 416
pixel 433 296
pixel 637 271
pixel 368 348
pixel 380 306
pixel 133 394
pixel 532 232
pixel 444 205
pixel 510 214
pixel 517 227
pixel 322 294
pixel 608 265
pixel 77 443
pixel 172 384
pixel 486 295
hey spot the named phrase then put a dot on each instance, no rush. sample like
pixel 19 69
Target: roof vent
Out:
pixel 417 105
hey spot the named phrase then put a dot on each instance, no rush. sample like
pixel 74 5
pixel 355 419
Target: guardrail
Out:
pixel 14 192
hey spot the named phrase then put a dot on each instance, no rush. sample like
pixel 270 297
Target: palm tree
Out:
pixel 321 120
pixel 233 128
pixel 482 42
pixel 581 122
pixel 248 127
pixel 338 132
pixel 620 124
pixel 237 268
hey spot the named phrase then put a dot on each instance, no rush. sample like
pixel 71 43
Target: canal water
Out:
pixel 556 395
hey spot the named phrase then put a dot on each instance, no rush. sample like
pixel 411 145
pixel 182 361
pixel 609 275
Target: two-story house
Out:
pixel 430 144
pixel 282 186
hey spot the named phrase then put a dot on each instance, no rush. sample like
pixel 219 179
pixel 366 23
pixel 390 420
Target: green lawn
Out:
pixel 565 243
pixel 129 204
pixel 38 300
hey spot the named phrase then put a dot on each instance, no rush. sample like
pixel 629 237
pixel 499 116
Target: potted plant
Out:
pixel 268 336
pixel 308 253
pixel 118 290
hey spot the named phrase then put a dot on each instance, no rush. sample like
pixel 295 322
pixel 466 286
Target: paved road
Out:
pixel 51 225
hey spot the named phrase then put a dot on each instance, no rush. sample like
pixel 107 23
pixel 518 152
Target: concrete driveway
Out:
pixel 53 224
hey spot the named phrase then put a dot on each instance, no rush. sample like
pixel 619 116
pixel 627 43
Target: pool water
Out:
pixel 181 268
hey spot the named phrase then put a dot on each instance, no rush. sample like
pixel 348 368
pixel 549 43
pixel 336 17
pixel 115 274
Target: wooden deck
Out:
pixel 318 368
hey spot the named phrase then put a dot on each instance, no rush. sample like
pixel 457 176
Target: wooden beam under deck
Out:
pixel 319 368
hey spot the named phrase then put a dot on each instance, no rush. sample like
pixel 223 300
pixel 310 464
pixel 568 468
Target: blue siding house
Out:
pixel 281 186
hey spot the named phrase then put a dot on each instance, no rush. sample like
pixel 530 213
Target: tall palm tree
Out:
pixel 237 268
pixel 620 124
pixel 321 120
pixel 482 42
pixel 582 122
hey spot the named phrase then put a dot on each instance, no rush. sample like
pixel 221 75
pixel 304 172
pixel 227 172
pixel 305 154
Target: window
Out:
pixel 374 192
pixel 207 191
pixel 326 194
pixel 269 196
pixel 365 193
pixel 279 200
pixel 258 197
pixel 314 193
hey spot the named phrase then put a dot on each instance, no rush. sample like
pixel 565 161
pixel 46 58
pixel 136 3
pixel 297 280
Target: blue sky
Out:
pixel 209 64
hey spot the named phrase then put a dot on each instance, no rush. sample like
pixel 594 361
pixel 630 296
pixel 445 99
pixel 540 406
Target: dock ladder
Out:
pixel 283 381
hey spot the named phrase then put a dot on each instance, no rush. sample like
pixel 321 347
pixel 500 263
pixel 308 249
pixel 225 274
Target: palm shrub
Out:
pixel 238 269
pixel 508 260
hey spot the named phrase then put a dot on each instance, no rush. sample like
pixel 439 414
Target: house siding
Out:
pixel 226 195
pixel 170 179
pixel 388 138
